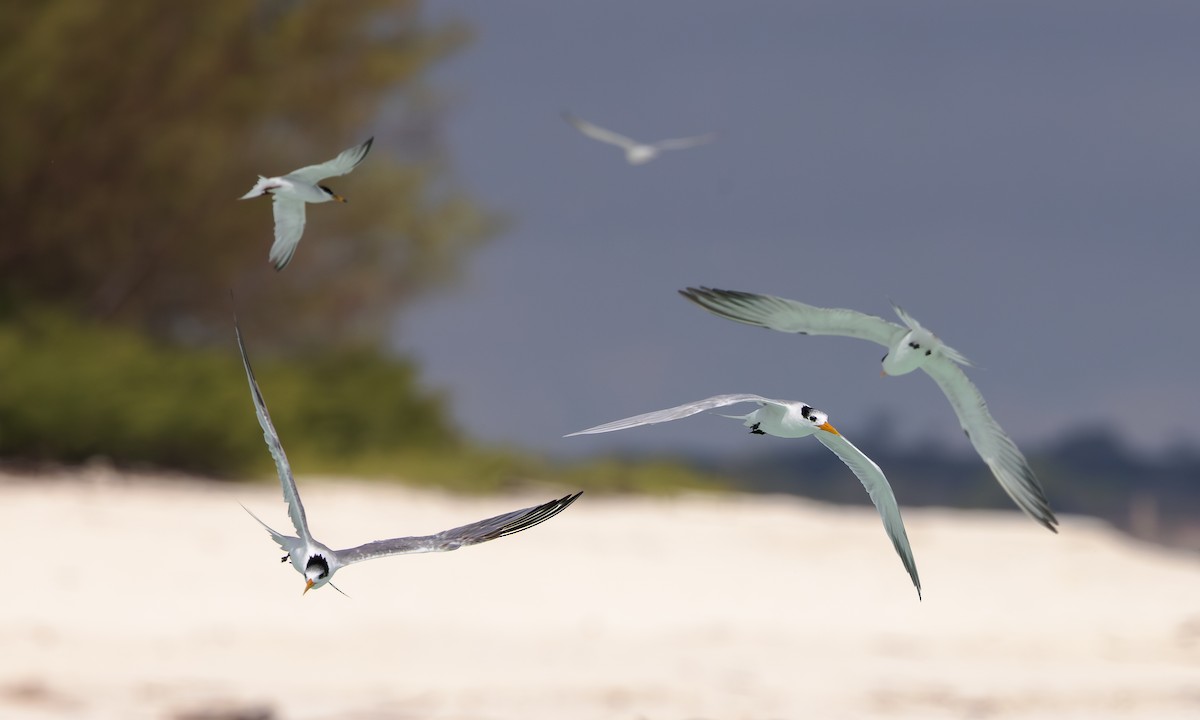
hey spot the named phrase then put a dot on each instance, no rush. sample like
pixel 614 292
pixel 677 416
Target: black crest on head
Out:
pixel 806 412
pixel 318 562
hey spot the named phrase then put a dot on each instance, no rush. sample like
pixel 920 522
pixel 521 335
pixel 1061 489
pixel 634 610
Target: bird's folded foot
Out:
pixel 755 431
pixel 284 559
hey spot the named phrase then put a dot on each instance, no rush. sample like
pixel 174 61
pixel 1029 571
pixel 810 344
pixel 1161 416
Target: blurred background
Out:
pixel 1020 176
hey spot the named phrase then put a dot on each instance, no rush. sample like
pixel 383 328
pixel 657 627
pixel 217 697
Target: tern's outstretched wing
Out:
pixel 684 143
pixel 473 534
pixel 287 543
pixel 340 165
pixel 791 316
pixel 676 413
pixel 289 226
pixel 290 495
pixel 995 447
pixel 873 479
pixel 596 132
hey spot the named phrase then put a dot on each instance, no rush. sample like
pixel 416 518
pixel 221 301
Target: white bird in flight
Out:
pixel 317 562
pixel 636 153
pixel 788 419
pixel 292 191
pixel 909 347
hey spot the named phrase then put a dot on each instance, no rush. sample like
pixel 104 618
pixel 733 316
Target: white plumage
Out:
pixel 290 193
pixel 791 419
pixel 636 153
pixel 910 346
pixel 317 562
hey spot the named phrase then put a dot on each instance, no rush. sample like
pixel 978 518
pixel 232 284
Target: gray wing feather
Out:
pixel 285 542
pixel 676 413
pixel 997 449
pixel 290 495
pixel 596 132
pixel 473 534
pixel 790 316
pixel 876 484
pixel 289 226
pixel 684 143
pixel 346 161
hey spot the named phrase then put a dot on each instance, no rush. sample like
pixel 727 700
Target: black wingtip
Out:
pixel 538 515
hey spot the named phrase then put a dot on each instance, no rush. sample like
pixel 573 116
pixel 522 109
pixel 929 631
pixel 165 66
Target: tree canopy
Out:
pixel 129 131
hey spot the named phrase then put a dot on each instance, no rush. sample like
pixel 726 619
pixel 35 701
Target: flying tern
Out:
pixel 292 191
pixel 909 346
pixel 636 153
pixel 317 562
pixel 790 419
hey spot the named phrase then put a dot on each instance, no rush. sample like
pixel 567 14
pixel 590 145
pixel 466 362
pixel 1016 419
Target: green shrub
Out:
pixel 70 392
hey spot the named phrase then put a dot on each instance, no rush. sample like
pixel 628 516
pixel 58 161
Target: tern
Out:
pixel 791 419
pixel 292 191
pixel 317 562
pixel 909 346
pixel 636 153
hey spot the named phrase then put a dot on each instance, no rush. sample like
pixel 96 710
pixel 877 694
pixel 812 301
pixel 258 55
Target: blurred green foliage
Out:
pixel 74 392
pixel 85 391
pixel 129 130
pixel 127 134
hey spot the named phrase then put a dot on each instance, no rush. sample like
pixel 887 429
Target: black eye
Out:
pixel 928 353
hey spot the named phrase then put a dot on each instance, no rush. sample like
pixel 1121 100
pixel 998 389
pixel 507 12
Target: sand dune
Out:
pixel 142 598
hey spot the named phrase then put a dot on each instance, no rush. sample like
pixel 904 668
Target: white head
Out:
pixel 316 571
pixel 817 418
pixel 639 154
pixel 331 194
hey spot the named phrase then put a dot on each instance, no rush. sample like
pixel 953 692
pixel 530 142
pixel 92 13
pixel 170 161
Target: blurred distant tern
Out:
pixel 636 153
pixel 910 346
pixel 317 562
pixel 787 419
pixel 298 187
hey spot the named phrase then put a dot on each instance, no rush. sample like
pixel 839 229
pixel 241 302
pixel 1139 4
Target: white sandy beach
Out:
pixel 139 598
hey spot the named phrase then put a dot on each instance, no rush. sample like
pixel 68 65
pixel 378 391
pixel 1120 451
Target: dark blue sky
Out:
pixel 1021 176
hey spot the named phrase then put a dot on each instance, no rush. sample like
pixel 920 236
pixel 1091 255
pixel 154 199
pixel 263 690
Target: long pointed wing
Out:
pixel 290 495
pixel 346 161
pixel 473 534
pixel 675 413
pixel 289 226
pixel 684 143
pixel 995 447
pixel 876 484
pixel 285 542
pixel 790 316
pixel 596 132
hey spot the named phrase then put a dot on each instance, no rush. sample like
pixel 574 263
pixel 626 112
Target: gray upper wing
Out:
pixel 289 226
pixel 598 133
pixel 876 484
pixel 675 413
pixel 791 316
pixel 290 495
pixel 346 161
pixel 996 448
pixel 473 534
pixel 684 143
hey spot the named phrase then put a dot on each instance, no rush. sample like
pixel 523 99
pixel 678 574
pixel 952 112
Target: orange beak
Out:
pixel 828 428
pixel 339 198
pixel 307 587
